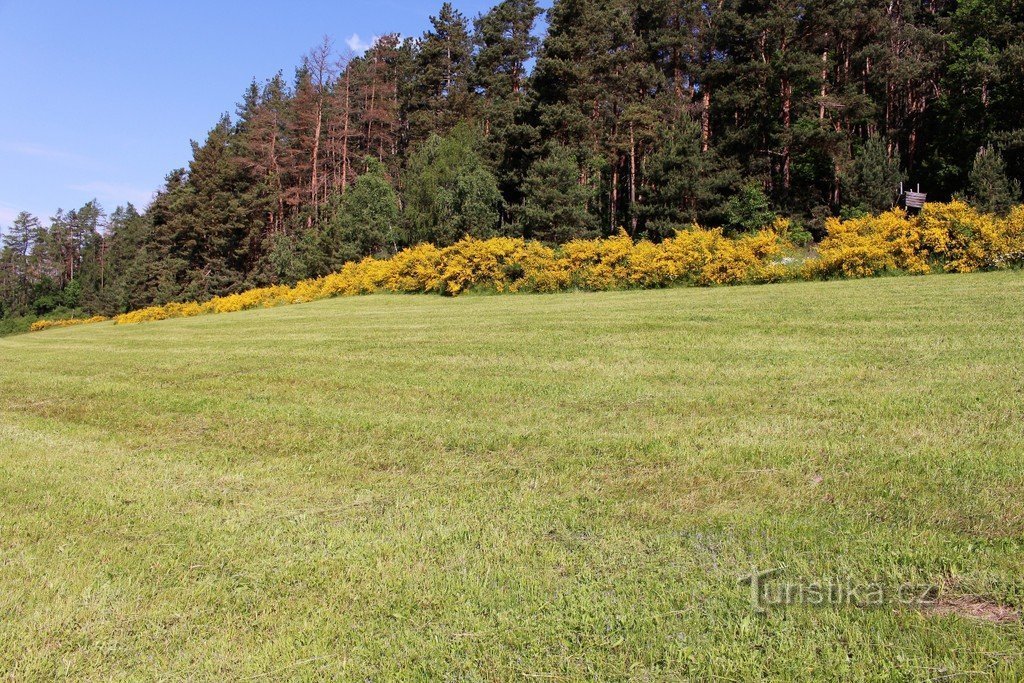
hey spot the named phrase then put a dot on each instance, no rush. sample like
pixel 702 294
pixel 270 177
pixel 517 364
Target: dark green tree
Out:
pixel 989 187
pixel 449 190
pixel 504 43
pixel 18 243
pixel 686 183
pixel 440 94
pixel 872 182
pixel 136 270
pixel 366 221
pixel 748 210
pixel 556 205
pixel 209 219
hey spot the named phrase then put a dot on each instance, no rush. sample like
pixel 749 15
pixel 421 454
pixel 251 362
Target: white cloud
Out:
pixel 7 215
pixel 358 45
pixel 116 193
pixel 28 149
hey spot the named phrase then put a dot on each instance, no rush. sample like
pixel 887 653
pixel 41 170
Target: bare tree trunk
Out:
pixel 345 133
pixel 613 204
pixel 787 112
pixel 705 120
pixel 632 179
pixel 824 85
pixel 314 183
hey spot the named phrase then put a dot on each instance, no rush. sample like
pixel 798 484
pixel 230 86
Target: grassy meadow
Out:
pixel 534 487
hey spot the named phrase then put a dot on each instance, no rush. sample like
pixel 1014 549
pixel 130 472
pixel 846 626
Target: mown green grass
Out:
pixel 519 487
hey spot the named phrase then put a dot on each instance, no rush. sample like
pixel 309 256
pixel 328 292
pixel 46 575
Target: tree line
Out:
pixel 640 115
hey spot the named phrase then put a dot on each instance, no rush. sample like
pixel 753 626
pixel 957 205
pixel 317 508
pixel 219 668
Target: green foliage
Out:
pixel 16 263
pixel 439 97
pixel 989 187
pixel 749 210
pixel 686 183
pixel 873 180
pixel 556 203
pixel 290 258
pixel 449 191
pixel 16 324
pixel 367 219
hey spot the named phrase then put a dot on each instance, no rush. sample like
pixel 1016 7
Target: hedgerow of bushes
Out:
pixel 505 264
pixel 952 238
pixel 65 322
pixel 949 237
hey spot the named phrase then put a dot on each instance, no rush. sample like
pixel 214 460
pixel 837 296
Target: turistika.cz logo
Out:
pixel 766 591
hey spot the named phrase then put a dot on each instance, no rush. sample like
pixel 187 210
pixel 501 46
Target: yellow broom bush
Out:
pixel 695 256
pixel 966 240
pixel 951 237
pixel 861 247
pixel 69 322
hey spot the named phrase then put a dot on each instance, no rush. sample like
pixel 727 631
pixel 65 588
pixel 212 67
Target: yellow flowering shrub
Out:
pixel 599 263
pixel 967 240
pixel 862 247
pixel 472 263
pixel 69 322
pixel 540 270
pixel 416 269
pixel 707 257
pixel 513 264
pixel 950 236
pixel 1013 232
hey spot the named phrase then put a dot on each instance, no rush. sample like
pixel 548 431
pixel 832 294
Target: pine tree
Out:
pixel 989 186
pixel 22 234
pixel 379 76
pixel 440 95
pixel 18 243
pixel 596 90
pixel 686 183
pixel 505 44
pixel 556 205
pixel 308 130
pixel 210 219
pixel 261 146
pixel 136 273
pixel 872 183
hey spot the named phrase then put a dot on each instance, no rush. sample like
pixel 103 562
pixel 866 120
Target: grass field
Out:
pixel 536 487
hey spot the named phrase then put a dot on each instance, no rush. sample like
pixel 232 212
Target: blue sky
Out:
pixel 101 99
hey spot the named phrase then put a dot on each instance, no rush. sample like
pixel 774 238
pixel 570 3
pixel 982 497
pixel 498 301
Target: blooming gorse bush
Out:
pixel 506 264
pixel 68 322
pixel 949 237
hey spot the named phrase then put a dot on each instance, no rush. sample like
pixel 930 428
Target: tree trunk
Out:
pixel 705 121
pixel 632 180
pixel 787 115
pixel 824 85
pixel 345 134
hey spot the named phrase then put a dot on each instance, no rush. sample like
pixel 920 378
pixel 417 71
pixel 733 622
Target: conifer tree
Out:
pixel 367 220
pixel 686 183
pixel 873 181
pixel 440 94
pixel 989 186
pixel 556 206
pixel 18 242
pixel 505 44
